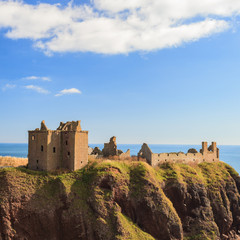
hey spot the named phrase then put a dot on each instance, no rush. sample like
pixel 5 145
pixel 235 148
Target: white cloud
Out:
pixel 8 86
pixel 68 92
pixel 37 78
pixel 37 89
pixel 119 26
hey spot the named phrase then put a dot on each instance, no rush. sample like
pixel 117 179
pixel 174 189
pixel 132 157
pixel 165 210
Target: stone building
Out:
pixel 66 147
pixel 206 154
pixel 110 149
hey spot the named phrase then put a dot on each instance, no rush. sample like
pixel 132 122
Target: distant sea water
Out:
pixel 228 153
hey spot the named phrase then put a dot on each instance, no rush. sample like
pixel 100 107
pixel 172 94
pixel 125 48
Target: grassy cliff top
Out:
pixel 209 174
pixel 118 196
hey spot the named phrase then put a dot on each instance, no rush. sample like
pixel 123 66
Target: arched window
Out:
pixel 54 149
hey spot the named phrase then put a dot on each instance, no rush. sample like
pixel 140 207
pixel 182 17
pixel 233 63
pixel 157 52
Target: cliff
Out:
pixel 118 200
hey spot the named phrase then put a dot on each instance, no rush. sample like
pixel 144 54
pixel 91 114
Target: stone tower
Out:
pixel 110 149
pixel 66 147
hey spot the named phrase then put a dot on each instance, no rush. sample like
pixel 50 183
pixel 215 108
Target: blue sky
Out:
pixel 175 90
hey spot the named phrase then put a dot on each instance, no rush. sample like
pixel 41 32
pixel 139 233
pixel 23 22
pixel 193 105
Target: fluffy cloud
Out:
pixel 37 78
pixel 37 89
pixel 119 26
pixel 68 92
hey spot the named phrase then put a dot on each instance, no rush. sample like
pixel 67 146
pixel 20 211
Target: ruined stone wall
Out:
pixel 110 149
pixel 182 157
pixel 125 154
pixel 204 155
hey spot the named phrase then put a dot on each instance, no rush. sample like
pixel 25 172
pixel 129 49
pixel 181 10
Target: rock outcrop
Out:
pixel 121 200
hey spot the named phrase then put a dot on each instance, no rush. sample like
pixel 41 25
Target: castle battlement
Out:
pixel 206 154
pixel 66 147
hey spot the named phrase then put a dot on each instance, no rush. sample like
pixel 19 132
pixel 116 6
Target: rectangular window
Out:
pixel 41 148
pixel 68 153
pixel 54 149
pixel 33 137
pixel 66 142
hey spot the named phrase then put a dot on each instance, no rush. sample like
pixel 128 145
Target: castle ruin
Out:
pixel 66 147
pixel 110 149
pixel 206 154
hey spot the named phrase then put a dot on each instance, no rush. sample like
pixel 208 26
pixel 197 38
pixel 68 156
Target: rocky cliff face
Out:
pixel 115 200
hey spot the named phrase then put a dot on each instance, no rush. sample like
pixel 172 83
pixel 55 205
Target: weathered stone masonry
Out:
pixel 66 147
pixel 110 149
pixel 206 154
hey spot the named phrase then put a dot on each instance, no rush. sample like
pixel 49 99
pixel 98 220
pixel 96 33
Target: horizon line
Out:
pixel 139 143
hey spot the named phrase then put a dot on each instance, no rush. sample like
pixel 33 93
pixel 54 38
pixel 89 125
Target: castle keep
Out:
pixel 66 147
pixel 206 154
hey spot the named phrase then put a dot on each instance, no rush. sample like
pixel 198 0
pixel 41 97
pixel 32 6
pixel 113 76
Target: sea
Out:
pixel 228 153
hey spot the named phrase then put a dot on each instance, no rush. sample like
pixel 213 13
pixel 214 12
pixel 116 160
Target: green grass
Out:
pixel 134 179
pixel 131 231
pixel 210 174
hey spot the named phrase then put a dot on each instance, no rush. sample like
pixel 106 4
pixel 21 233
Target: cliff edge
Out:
pixel 121 200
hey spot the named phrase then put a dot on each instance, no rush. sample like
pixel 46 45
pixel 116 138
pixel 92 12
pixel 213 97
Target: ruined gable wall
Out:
pixel 146 153
pixel 81 149
pixel 37 159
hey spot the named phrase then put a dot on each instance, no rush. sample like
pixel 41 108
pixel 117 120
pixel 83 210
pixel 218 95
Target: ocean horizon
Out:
pixel 228 153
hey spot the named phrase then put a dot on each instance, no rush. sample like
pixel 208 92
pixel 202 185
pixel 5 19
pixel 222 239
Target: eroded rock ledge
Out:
pixel 121 200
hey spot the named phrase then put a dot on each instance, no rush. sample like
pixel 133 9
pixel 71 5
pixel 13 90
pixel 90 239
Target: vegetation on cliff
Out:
pixel 121 200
